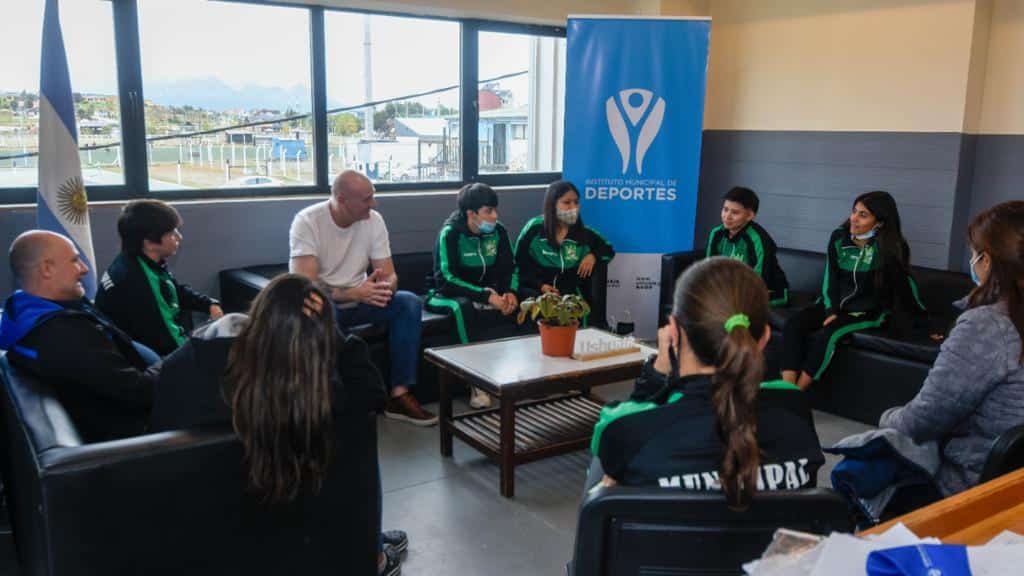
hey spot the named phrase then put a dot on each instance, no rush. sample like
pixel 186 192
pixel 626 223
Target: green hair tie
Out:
pixel 737 320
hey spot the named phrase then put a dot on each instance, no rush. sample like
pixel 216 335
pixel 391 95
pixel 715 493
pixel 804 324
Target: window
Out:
pixel 257 98
pixel 411 134
pixel 88 30
pixel 227 95
pixel 522 84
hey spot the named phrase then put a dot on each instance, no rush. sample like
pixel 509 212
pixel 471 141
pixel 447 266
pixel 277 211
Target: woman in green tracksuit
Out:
pixel 866 282
pixel 474 274
pixel 700 417
pixel 473 266
pixel 555 250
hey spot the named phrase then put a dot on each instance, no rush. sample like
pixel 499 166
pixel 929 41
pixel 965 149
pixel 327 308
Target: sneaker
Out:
pixel 407 408
pixel 479 399
pixel 397 540
pixel 392 563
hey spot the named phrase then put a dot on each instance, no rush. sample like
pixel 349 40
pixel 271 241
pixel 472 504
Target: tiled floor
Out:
pixel 459 524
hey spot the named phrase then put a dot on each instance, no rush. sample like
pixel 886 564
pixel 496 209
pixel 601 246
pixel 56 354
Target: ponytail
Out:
pixel 722 305
pixel 738 372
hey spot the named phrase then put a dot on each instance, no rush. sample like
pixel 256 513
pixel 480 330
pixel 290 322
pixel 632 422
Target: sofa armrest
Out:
pixel 672 265
pixel 596 293
pixel 66 459
pixel 238 287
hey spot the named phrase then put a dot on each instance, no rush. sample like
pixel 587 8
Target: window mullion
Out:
pixel 470 112
pixel 318 61
pixel 129 81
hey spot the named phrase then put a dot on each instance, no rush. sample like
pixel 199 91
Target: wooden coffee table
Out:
pixel 545 408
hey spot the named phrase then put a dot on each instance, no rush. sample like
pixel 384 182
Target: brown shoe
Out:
pixel 407 408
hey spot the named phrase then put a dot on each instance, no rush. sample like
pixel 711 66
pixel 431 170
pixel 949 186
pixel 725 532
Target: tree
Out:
pixel 346 124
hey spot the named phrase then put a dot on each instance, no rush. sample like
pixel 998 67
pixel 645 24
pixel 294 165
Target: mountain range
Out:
pixel 213 94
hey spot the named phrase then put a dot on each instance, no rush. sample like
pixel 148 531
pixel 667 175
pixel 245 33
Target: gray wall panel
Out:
pixel 998 171
pixel 230 234
pixel 959 254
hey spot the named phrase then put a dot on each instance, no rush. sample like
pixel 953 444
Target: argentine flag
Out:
pixel 62 205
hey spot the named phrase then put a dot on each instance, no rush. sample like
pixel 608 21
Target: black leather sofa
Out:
pixel 876 370
pixel 630 530
pixel 174 502
pixel 238 286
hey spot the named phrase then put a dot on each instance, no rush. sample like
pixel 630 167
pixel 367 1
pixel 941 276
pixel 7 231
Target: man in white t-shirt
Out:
pixel 334 242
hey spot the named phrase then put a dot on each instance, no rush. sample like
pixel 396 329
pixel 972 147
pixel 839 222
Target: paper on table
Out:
pixel 1006 538
pixel 846 555
pixel 839 554
pixel 1006 549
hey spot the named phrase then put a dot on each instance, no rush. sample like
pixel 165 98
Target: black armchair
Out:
pixel 631 531
pixel 1006 455
pixel 174 502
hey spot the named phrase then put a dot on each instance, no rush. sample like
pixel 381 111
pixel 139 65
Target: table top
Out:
pixel 972 517
pixel 519 360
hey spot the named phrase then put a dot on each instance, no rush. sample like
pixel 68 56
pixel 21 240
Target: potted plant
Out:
pixel 559 318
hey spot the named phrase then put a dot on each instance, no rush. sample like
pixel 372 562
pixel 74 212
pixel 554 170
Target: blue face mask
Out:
pixel 974 275
pixel 486 226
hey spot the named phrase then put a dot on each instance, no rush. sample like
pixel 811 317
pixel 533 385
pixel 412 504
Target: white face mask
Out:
pixel 867 235
pixel 568 216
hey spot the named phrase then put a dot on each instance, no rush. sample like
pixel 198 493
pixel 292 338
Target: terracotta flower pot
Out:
pixel 557 340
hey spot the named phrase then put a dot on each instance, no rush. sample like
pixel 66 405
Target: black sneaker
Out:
pixel 392 563
pixel 397 540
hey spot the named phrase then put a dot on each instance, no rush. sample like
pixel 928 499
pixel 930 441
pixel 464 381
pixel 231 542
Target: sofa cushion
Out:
pixel 917 346
pixel 803 271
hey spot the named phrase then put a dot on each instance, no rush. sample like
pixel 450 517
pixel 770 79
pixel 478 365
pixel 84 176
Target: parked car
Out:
pixel 253 182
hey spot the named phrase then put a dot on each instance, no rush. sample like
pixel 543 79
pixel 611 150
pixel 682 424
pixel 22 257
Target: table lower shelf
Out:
pixel 542 427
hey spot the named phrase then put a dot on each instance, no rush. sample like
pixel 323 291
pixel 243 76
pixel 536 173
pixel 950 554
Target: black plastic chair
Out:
pixel 632 531
pixel 1006 455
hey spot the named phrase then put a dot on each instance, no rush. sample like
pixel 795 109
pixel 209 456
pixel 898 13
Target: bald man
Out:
pixel 334 242
pixel 104 380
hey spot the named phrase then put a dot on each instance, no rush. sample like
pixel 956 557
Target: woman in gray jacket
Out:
pixel 975 390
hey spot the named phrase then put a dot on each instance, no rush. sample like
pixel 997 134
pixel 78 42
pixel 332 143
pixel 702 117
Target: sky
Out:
pixel 244 45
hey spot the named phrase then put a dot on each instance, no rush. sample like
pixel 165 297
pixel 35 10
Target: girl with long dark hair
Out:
pixel 701 418
pixel 299 395
pixel 866 282
pixel 555 250
pixel 975 390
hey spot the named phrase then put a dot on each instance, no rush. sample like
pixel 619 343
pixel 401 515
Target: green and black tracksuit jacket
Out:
pixel 467 268
pixel 849 290
pixel 671 437
pixel 145 300
pixel 539 262
pixel 754 247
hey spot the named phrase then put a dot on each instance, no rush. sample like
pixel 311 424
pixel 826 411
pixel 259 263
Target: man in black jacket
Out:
pixel 138 291
pixel 104 380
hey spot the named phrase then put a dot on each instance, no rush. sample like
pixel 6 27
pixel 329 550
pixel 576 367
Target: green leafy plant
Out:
pixel 554 309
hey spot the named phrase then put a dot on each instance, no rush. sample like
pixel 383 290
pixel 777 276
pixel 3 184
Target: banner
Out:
pixel 634 110
pixel 61 203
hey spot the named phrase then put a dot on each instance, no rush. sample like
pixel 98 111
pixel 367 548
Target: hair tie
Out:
pixel 737 320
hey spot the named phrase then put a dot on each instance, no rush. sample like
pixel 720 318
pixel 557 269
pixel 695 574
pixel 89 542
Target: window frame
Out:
pixel 130 92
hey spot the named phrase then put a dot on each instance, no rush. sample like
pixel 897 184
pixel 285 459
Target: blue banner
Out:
pixel 634 112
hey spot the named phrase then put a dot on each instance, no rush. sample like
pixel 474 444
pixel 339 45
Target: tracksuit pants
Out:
pixel 809 347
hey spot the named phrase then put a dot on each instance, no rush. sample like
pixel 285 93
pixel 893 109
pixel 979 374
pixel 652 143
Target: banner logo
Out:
pixel 635 103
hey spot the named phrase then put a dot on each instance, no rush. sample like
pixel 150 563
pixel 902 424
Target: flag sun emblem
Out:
pixel 72 201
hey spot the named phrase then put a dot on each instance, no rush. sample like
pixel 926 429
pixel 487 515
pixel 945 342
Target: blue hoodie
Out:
pixel 21 314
